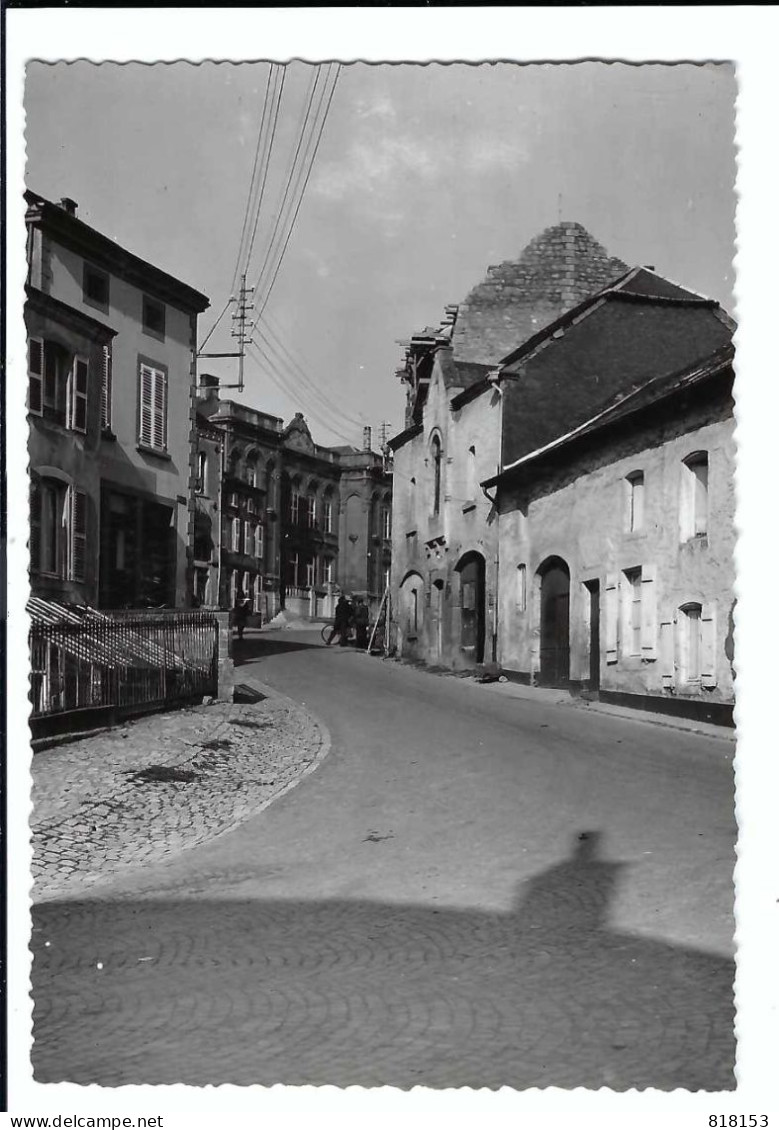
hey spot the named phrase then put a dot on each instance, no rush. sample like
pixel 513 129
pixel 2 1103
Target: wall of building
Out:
pixel 427 547
pixel 580 513
pixel 164 477
pixel 68 456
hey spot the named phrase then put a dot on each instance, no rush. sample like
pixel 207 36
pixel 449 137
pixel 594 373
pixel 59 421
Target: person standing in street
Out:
pixel 361 620
pixel 342 622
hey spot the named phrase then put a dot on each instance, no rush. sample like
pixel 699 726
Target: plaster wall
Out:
pixel 580 513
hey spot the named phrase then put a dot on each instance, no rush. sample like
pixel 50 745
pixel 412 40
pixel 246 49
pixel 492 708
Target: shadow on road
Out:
pixel 370 993
pixel 252 648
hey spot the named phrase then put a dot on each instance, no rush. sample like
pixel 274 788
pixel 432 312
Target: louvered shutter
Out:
pixel 667 663
pixel 145 423
pixel 612 616
pixel 35 526
pixel 79 387
pixel 77 523
pixel 50 377
pixel 160 410
pixel 648 612
pixel 35 375
pixel 708 646
pixel 105 389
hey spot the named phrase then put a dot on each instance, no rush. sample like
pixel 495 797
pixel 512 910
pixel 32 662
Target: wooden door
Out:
pixel 555 646
pixel 593 588
pixel 472 608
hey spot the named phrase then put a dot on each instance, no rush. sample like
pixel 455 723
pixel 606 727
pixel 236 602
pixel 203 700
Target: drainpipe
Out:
pixel 219 521
pixel 494 379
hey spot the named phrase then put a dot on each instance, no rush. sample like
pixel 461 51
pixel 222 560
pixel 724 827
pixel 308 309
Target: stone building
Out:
pixel 444 546
pixel 616 539
pixel 134 387
pixel 281 519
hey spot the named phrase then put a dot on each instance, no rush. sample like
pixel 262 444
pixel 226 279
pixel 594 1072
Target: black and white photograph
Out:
pixel 382 628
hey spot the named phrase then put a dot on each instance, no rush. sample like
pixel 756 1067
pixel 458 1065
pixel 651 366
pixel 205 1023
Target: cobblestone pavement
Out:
pixel 470 891
pixel 190 775
pixel 359 993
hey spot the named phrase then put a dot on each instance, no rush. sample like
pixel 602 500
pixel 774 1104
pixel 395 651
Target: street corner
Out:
pixel 181 779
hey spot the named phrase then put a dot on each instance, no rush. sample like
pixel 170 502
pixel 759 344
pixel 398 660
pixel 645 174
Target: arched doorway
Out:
pixel 471 569
pixel 555 643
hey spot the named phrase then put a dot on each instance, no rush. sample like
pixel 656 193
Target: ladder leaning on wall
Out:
pixel 380 625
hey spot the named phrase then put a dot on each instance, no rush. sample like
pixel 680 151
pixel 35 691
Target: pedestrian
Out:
pixel 342 621
pixel 361 619
pixel 240 613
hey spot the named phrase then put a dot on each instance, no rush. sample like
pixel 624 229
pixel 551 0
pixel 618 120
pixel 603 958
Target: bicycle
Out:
pixel 327 629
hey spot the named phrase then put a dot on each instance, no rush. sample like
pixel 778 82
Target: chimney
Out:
pixel 68 205
pixel 367 438
pixel 208 388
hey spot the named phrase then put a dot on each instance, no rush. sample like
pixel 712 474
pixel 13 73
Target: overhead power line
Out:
pixel 320 129
pixel 248 210
pixel 277 106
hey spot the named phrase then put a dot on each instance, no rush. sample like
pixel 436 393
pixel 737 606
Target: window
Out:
pixel 386 530
pixel 435 453
pixel 311 572
pixel 235 542
pixel 96 287
pixel 35 376
pixel 105 389
pixel 521 588
pixel 311 512
pixel 327 515
pixel 386 577
pixel 294 508
pixel 153 414
pixel 232 499
pixel 200 480
pixel 257 592
pixel 472 477
pixel 694 508
pixel 248 538
pixel 233 587
pixel 250 506
pixel 153 318
pixel 329 573
pixel 631 639
pixel 259 541
pixel 77 389
pixel 58 529
pixel 690 642
pixel 635 500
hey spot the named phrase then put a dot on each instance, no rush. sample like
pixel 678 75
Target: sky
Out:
pixel 425 176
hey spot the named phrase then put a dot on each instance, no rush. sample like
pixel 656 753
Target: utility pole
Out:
pixel 240 317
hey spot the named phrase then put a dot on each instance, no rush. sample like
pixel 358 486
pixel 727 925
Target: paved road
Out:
pixel 470 890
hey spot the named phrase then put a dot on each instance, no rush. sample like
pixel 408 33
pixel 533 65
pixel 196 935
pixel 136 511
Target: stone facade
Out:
pixel 648 591
pixel 282 520
pixel 444 554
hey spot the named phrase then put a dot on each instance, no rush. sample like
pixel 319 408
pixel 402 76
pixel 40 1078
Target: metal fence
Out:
pixel 82 659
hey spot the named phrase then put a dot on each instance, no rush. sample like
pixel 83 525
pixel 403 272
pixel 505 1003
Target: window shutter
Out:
pixel 35 376
pixel 612 616
pixel 77 523
pixel 49 377
pixel 35 526
pixel 708 646
pixel 79 385
pixel 105 389
pixel 667 665
pixel 160 410
pixel 648 612
pixel 145 426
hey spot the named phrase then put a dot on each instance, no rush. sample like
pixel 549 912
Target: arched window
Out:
pixel 521 587
pixel 694 503
pixel 690 643
pixel 436 455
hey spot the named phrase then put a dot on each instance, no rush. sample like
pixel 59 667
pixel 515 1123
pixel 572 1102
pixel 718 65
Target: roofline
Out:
pixel 48 304
pixel 696 374
pixel 593 302
pixel 106 252
pixel 403 437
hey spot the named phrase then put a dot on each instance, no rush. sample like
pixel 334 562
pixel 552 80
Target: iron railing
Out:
pixel 83 659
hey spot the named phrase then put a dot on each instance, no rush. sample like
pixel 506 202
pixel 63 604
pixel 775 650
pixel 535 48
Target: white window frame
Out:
pixel 329 571
pixel 259 540
pixel 294 507
pixel 694 502
pixel 311 573
pixel 386 523
pixel 77 394
pixel 311 511
pixel 153 408
pixel 235 539
pixel 327 515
